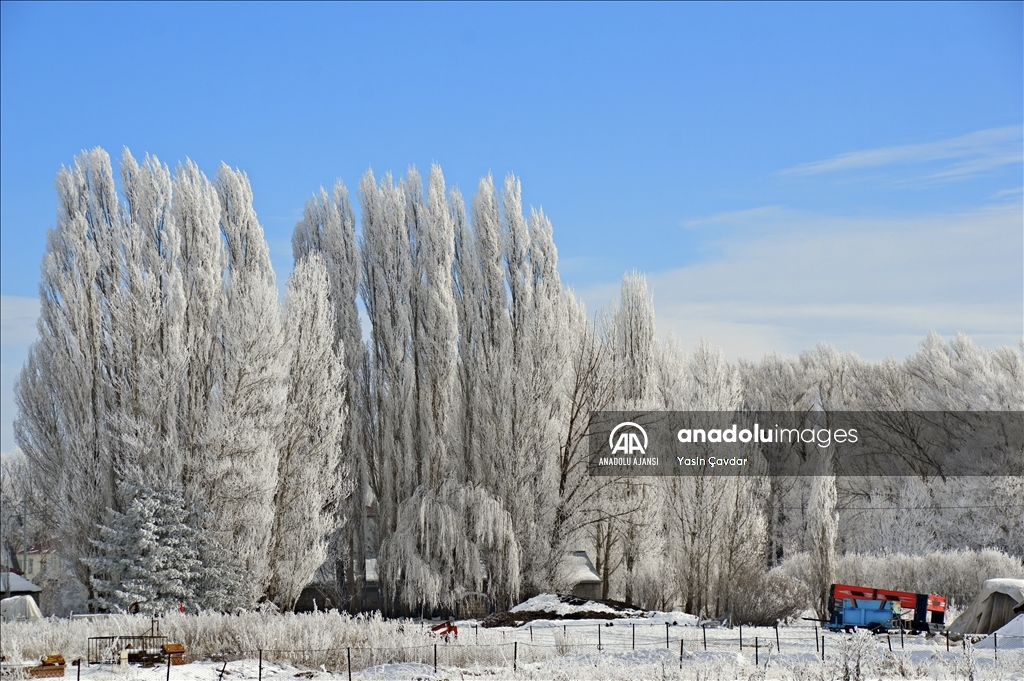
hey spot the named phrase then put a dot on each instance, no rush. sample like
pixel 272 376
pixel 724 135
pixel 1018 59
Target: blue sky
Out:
pixel 785 173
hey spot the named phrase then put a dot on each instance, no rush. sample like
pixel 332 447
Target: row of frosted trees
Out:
pixel 170 401
pixel 182 423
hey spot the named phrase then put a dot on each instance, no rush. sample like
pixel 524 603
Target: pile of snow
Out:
pixel 676 617
pixel 564 605
pixel 555 607
pixel 1010 636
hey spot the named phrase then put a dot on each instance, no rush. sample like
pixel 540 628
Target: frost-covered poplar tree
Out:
pixel 249 393
pixel 822 531
pixel 534 297
pixel 830 378
pixel 448 532
pixel 490 359
pixel 309 487
pixel 775 383
pixel 557 323
pixel 63 398
pixel 196 211
pixel 386 289
pixel 633 338
pixel 715 526
pixel 435 331
pixel 630 329
pixel 146 345
pixel 328 228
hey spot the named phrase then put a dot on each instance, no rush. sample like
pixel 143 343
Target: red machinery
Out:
pixel 929 609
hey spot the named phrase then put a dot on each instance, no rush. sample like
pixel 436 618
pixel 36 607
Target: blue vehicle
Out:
pixel 855 613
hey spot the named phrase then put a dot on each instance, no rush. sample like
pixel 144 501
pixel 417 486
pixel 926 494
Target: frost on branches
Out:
pixel 170 388
pixel 148 555
pixel 161 353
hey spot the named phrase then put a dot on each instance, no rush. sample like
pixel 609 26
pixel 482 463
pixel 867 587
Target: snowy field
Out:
pixel 331 647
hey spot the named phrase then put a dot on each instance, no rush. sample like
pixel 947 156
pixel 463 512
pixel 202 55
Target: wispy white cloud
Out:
pixel 17 331
pixel 872 286
pixel 749 216
pixel 1016 192
pixel 18 316
pixel 943 160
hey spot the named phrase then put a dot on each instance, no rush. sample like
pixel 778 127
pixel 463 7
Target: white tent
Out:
pixel 991 609
pixel 19 607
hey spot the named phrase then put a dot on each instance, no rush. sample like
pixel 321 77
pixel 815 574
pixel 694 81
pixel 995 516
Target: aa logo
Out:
pixel 628 439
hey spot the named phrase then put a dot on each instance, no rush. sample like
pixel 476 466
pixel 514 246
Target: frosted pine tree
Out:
pixel 147 555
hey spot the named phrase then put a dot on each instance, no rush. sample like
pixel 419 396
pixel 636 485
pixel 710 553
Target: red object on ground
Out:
pixel 445 629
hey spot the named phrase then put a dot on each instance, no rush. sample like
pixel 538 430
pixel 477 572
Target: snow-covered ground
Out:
pixel 627 648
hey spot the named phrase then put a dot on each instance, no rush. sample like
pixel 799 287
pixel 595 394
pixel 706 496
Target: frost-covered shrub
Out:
pixel 771 598
pixel 210 634
pixel 957 575
pixel 858 656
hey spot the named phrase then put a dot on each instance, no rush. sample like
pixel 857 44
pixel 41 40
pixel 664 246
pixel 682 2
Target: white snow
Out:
pixel 582 570
pixel 401 671
pixel 1008 637
pixel 555 605
pixel 675 617
pixel 619 650
pixel 23 607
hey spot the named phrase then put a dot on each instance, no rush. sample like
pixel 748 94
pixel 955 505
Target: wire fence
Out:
pixel 595 643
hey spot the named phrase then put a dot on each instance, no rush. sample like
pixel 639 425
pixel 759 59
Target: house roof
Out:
pixel 45 547
pixel 18 584
pixel 583 571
